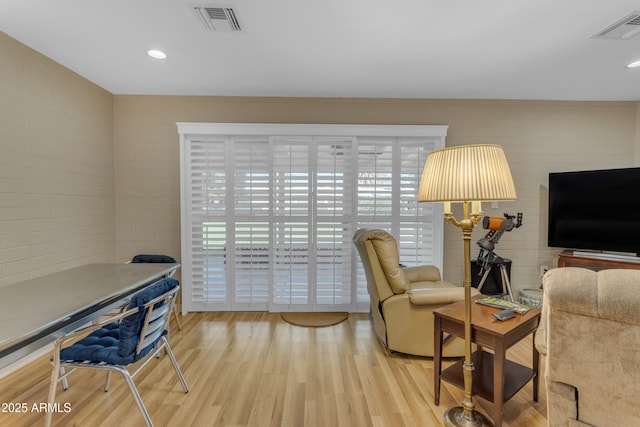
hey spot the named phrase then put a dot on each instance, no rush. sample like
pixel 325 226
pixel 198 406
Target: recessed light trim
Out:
pixel 157 54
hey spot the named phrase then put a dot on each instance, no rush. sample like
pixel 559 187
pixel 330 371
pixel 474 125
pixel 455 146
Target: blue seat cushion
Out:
pixel 153 259
pixel 99 346
pixel 116 343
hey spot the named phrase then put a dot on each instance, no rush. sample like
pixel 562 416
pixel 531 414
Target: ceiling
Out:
pixel 480 49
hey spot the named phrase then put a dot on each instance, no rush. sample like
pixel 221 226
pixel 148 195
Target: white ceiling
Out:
pixel 498 49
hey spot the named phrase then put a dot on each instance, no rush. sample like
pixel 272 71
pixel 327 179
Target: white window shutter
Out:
pixel 333 221
pixel 291 221
pixel 268 220
pixel 415 234
pixel 208 181
pixel 249 224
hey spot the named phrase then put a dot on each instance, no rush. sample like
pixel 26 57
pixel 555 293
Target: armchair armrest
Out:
pixel 437 296
pixel 422 273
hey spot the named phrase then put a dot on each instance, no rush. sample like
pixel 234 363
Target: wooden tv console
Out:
pixel 568 259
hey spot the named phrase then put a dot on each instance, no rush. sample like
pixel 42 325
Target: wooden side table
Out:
pixel 495 378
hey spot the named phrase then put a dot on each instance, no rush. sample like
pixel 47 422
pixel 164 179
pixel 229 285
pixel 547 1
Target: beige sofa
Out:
pixel 403 298
pixel 590 334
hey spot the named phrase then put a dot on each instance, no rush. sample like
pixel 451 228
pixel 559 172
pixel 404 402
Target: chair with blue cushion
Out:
pixel 165 259
pixel 120 341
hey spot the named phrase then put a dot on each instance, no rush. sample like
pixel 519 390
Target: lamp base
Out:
pixel 454 417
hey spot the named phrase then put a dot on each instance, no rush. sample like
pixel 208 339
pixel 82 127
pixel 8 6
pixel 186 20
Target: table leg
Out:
pixel 437 357
pixel 498 382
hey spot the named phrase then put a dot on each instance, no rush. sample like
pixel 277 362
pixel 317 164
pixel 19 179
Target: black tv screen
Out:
pixel 597 210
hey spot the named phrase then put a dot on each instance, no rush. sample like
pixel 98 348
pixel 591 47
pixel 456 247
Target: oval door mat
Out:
pixel 314 320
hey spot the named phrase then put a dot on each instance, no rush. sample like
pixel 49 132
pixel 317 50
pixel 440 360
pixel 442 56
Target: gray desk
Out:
pixel 36 312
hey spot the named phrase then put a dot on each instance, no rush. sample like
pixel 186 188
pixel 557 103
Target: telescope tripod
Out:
pixel 506 285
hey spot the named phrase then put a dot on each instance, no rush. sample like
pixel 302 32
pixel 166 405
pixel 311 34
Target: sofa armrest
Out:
pixel 422 273
pixel 540 338
pixel 437 296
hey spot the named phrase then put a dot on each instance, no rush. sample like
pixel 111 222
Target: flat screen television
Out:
pixel 595 210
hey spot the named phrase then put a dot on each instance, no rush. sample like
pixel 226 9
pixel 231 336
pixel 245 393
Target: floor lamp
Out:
pixel 467 174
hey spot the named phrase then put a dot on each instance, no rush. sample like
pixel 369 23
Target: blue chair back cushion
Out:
pixel 116 343
pixel 138 259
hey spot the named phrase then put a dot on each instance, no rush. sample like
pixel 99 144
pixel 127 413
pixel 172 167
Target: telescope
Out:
pixel 487 257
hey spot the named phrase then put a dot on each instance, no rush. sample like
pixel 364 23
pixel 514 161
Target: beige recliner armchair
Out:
pixel 403 298
pixel 590 334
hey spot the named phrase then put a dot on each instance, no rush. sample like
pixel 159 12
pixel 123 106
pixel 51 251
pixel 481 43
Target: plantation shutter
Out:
pixel 417 230
pixel 249 224
pixel 389 172
pixel 333 222
pixel 207 178
pixel 269 211
pixel 291 221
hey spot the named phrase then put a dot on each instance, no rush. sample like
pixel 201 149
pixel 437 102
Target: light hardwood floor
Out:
pixel 254 369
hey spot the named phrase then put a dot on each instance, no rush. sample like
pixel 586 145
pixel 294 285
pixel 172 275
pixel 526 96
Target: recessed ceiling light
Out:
pixel 634 64
pixel 157 54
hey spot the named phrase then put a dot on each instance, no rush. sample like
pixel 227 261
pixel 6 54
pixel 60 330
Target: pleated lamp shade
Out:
pixel 466 173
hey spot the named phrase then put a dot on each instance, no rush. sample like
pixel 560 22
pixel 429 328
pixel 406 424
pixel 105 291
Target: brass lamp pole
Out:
pixel 466 415
pixel 466 174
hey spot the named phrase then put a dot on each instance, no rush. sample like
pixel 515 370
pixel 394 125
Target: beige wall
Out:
pixel 87 176
pixel 56 167
pixel 538 137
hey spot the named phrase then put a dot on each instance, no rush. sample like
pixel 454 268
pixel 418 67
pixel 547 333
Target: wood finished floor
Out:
pixel 254 369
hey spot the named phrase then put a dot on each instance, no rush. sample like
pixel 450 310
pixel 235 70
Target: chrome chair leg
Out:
pixel 174 362
pixel 107 382
pixel 177 316
pixel 65 383
pixel 53 384
pixel 136 395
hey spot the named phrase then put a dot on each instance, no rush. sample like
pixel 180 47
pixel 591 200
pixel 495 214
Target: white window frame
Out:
pixel 214 131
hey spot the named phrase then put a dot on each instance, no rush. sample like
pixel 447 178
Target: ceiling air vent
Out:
pixel 216 18
pixel 623 29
